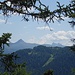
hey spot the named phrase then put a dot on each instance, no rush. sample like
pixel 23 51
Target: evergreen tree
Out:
pixel 9 7
pixel 8 60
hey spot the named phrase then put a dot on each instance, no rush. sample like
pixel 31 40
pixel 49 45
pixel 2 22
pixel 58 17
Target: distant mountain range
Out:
pixel 54 45
pixel 20 44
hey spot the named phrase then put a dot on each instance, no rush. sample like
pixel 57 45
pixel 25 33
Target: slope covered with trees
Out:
pixel 42 58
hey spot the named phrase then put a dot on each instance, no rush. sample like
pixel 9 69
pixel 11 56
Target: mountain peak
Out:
pixel 20 41
pixel 57 44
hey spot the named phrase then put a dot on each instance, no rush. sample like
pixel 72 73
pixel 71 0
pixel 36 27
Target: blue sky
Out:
pixel 38 32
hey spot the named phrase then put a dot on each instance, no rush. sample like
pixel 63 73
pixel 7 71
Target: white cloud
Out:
pixel 5 21
pixel 31 9
pixel 62 37
pixel 37 41
pixel 2 21
pixel 44 28
pixel 8 3
pixel 9 23
pixel 32 40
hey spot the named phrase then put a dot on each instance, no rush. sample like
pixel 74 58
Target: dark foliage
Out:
pixel 49 72
pixel 4 40
pixel 41 58
pixel 7 61
pixel 9 7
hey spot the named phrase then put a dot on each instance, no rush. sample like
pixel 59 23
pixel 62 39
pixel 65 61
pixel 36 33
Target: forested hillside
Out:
pixel 42 58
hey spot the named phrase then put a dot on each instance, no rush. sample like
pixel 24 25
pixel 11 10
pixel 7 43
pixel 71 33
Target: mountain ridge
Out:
pixel 42 58
pixel 20 44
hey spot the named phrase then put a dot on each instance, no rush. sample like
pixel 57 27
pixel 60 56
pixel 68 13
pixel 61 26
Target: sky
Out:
pixel 38 32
